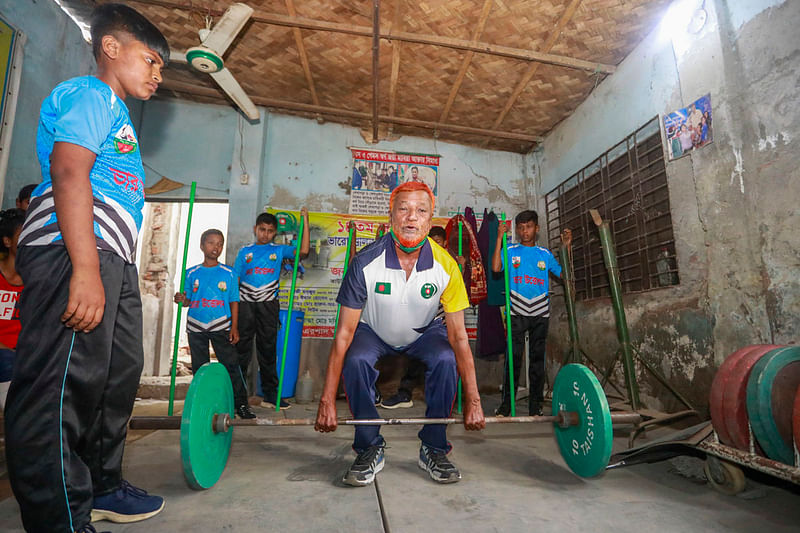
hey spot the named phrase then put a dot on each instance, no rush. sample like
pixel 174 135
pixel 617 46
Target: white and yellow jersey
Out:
pixel 399 310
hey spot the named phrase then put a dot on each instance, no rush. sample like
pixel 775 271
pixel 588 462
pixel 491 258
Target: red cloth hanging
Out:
pixel 474 273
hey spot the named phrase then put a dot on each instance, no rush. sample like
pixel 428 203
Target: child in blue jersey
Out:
pixel 80 351
pixel 530 304
pixel 211 292
pixel 258 267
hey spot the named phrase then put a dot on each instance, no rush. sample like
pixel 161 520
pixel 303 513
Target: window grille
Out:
pixel 628 186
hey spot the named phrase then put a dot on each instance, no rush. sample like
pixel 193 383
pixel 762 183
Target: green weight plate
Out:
pixel 585 447
pixel 761 406
pixel 204 453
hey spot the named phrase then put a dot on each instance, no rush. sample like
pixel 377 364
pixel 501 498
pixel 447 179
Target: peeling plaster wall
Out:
pixel 734 202
pixel 309 163
pixel 159 254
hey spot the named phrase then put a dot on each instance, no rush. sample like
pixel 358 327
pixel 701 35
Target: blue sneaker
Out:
pixel 367 464
pixel 126 504
pixel 438 466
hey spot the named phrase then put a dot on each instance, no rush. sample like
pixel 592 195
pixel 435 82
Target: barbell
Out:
pixel 582 422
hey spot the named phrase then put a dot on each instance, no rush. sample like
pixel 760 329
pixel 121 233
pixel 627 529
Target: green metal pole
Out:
pixel 344 271
pixel 610 258
pixel 509 349
pixel 569 300
pixel 180 307
pixel 460 250
pixel 289 313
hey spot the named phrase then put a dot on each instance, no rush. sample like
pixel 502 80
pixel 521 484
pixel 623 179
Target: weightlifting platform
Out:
pixel 514 479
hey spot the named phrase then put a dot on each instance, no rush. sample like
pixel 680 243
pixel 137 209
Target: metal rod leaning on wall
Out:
pixel 576 354
pixel 626 350
pixel 574 350
pixel 175 343
pixel 289 312
pixel 615 287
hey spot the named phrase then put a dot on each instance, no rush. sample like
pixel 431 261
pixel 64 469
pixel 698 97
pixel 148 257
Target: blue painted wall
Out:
pixel 54 51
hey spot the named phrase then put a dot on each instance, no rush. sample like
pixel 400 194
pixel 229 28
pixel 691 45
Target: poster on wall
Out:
pixel 320 274
pixel 376 173
pixel 688 128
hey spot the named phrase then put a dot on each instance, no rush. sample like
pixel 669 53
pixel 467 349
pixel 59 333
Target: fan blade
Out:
pixel 228 27
pixel 177 57
pixel 228 83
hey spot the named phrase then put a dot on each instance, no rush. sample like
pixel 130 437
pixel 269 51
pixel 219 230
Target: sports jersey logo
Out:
pixel 222 286
pixel 516 261
pixel 383 287
pixel 125 141
pixel 195 285
pixel 273 257
pixel 248 257
pixel 428 290
pixel 542 265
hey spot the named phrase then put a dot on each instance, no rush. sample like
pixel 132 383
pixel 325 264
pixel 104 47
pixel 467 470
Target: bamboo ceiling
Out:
pixel 493 73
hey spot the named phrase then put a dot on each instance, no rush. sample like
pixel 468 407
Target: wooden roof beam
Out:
pixel 189 88
pixel 366 31
pixel 569 12
pixel 301 50
pixel 487 7
pixel 397 20
pixel 376 66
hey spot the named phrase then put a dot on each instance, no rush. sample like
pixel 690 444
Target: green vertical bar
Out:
pixel 610 257
pixel 289 313
pixel 180 307
pixel 461 269
pixel 344 271
pixel 569 301
pixel 507 279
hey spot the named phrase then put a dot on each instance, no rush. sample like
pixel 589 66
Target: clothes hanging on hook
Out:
pixel 491 342
pixel 474 272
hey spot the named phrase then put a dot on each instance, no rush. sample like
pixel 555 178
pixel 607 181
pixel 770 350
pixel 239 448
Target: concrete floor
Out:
pixel 289 479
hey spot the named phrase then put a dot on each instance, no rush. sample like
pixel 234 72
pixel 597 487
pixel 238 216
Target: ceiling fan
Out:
pixel 207 57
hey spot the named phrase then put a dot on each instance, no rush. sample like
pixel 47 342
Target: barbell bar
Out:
pixel 223 421
pixel 582 423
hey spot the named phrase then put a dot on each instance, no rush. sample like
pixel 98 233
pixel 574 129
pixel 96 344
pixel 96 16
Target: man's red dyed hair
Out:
pixel 410 186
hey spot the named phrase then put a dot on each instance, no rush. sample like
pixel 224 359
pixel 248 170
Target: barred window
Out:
pixel 628 186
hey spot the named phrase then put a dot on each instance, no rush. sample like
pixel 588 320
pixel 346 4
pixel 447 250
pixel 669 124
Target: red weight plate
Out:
pixel 734 397
pixel 721 378
pixel 796 419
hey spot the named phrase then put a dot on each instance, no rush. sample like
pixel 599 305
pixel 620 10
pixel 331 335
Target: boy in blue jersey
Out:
pixel 211 292
pixel 80 351
pixel 530 304
pixel 258 267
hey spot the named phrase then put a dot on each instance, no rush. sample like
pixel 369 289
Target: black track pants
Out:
pixel 226 354
pixel 261 320
pixel 72 393
pixel 536 327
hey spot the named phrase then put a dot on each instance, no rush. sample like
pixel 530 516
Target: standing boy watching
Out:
pixel 530 304
pixel 258 267
pixel 211 292
pixel 80 350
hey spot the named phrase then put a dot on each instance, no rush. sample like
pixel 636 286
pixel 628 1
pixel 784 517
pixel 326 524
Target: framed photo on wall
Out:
pixel 689 128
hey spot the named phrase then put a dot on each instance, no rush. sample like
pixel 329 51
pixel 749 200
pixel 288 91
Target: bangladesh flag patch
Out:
pixel 383 287
pixel 428 290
